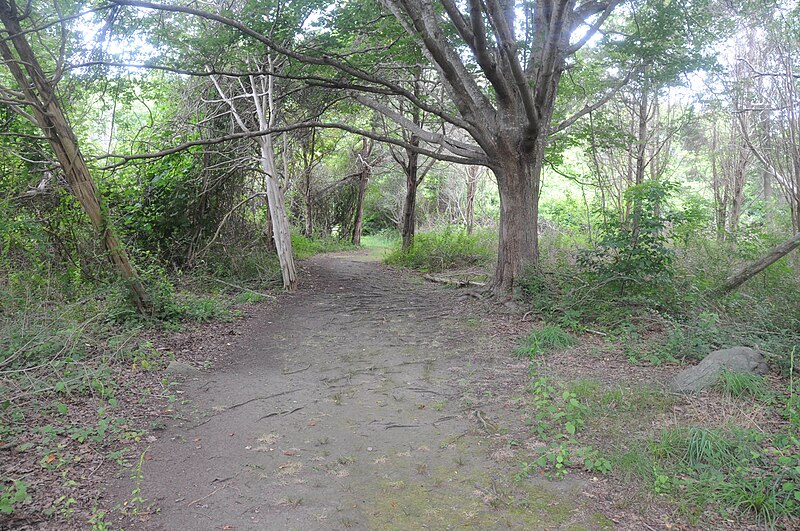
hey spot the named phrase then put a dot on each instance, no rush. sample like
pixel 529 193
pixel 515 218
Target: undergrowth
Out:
pixel 305 247
pixel 443 249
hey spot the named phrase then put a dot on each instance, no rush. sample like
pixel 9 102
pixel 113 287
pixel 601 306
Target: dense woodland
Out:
pixel 629 170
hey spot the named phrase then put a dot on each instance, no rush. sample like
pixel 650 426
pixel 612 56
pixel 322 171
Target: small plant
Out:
pixel 547 339
pixel 11 495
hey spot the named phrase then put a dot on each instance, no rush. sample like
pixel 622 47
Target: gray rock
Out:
pixel 180 369
pixel 706 373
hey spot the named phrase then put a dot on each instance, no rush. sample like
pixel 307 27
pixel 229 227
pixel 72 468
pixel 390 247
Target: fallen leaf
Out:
pixel 51 458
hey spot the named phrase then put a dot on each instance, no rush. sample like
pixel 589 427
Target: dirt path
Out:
pixel 343 406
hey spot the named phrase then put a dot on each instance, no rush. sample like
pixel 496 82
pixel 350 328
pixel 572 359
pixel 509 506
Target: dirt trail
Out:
pixel 342 406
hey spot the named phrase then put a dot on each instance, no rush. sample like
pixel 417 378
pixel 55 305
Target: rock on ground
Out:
pixel 706 373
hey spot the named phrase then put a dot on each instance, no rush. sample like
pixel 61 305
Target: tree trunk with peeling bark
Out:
pixel 49 117
pixel 261 93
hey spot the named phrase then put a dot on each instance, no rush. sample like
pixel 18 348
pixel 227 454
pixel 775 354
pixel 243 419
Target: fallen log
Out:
pixel 453 281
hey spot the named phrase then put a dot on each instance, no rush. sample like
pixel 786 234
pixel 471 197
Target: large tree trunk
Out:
pixel 50 118
pixel 518 245
pixel 753 268
pixel 281 232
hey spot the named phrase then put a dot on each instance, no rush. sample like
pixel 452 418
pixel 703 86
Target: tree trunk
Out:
pixel 281 232
pixel 50 118
pixel 410 211
pixel 308 228
pixel 358 224
pixel 518 245
pixel 363 180
pixel 472 190
pixel 641 154
pixel 413 180
pixel 753 268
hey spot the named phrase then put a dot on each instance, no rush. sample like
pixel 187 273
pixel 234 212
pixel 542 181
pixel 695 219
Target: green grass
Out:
pixel 305 248
pixel 544 340
pixel 741 384
pixel 440 250
pixel 381 240
pixel 729 471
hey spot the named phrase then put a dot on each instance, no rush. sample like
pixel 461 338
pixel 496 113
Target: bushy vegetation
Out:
pixel 446 248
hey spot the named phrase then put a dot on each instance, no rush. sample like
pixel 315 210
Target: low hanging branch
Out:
pixel 753 268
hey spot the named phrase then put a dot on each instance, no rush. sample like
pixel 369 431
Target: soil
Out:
pixel 368 399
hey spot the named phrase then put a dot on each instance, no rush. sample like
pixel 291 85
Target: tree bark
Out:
pixel 472 190
pixel 308 226
pixel 518 245
pixel 281 232
pixel 50 118
pixel 753 268
pixel 410 210
pixel 363 180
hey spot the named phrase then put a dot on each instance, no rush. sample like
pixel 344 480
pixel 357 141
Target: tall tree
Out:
pixel 36 91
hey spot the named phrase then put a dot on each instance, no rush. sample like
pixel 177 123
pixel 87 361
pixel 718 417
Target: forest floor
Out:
pixel 364 400
pixel 368 399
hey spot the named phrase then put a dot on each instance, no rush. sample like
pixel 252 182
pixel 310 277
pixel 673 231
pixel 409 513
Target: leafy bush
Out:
pixel 634 253
pixel 445 249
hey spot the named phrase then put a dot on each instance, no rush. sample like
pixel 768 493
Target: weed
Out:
pixel 305 248
pixel 13 494
pixel 544 340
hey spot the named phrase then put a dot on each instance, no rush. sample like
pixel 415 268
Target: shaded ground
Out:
pixel 350 404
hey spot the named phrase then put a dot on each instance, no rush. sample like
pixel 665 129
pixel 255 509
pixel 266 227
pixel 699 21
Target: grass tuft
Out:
pixel 742 384
pixel 544 340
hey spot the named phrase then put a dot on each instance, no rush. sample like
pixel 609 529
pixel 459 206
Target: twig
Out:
pixel 461 283
pixel 198 500
pixel 298 370
pixel 390 426
pixel 596 332
pixel 281 413
pixel 267 295
pixel 260 398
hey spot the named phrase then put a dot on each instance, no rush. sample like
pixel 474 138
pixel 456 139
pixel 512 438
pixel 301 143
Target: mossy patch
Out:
pixel 455 499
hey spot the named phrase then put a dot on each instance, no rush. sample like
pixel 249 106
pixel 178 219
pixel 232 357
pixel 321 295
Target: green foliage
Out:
pixel 694 340
pixel 11 495
pixel 547 339
pixel 634 253
pixel 305 248
pixel 736 470
pixel 443 249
